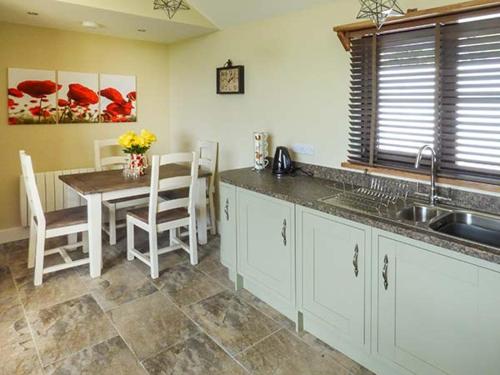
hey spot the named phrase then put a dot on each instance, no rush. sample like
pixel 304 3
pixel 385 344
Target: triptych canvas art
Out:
pixel 50 97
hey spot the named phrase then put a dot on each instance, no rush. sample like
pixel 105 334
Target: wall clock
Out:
pixel 231 79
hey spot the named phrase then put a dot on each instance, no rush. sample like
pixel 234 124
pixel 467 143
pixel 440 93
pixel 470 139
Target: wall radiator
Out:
pixel 53 193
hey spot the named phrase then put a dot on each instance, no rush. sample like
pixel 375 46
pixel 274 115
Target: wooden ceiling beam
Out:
pixel 415 18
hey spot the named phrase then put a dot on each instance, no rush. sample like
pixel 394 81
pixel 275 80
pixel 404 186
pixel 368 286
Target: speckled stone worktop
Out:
pixel 308 191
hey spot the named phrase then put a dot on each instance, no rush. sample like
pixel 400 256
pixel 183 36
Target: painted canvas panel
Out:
pixel 78 99
pixel 118 98
pixel 32 96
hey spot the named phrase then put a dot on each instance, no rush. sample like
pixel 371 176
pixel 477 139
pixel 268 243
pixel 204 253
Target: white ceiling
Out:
pixel 122 18
pixel 123 22
pixel 224 13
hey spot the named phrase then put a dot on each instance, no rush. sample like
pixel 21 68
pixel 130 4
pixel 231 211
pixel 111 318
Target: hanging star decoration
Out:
pixel 170 6
pixel 379 10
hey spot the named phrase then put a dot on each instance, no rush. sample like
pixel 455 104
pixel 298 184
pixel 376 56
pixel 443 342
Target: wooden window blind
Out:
pixel 438 85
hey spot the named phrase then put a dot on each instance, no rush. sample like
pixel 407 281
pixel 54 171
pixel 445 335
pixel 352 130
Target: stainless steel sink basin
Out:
pixel 471 226
pixel 419 214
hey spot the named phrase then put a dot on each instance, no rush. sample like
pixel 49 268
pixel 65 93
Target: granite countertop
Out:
pixel 310 191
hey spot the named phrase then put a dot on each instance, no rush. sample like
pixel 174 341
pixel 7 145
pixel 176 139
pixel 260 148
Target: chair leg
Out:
pixel 85 240
pixel 72 238
pixel 211 208
pixel 40 254
pixel 130 240
pixel 153 253
pixel 112 225
pixel 172 236
pixel 193 243
pixel 32 244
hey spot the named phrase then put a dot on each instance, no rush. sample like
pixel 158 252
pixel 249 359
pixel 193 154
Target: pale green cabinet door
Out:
pixel 266 244
pixel 434 313
pixel 227 225
pixel 334 271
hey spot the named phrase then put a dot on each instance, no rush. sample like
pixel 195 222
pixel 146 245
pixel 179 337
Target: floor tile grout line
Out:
pixel 125 341
pixel 219 344
pixel 27 322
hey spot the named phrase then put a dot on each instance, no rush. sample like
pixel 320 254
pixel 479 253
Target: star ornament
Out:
pixel 170 6
pixel 379 10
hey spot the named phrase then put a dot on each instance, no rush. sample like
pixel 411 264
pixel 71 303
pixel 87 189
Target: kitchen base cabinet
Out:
pixel 434 314
pixel 227 227
pixel 266 249
pixel 395 305
pixel 333 255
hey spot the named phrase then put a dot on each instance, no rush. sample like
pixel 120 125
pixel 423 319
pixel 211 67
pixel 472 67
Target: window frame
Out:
pixel 435 24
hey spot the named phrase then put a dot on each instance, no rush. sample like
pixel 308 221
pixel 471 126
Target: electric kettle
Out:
pixel 282 162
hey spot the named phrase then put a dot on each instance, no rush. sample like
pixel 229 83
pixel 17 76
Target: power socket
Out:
pixel 303 149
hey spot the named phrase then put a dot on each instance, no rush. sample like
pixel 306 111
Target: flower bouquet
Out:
pixel 136 146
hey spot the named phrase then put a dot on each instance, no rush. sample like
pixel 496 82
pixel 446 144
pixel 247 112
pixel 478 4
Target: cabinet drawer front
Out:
pixel 334 274
pixel 266 242
pixel 227 227
pixel 428 319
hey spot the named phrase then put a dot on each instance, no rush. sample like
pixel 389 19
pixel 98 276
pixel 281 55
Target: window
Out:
pixel 437 85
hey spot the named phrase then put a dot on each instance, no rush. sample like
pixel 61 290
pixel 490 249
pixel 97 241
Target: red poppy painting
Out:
pixel 78 99
pixel 31 96
pixel 118 97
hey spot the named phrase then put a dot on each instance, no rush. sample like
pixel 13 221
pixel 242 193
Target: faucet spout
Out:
pixel 432 195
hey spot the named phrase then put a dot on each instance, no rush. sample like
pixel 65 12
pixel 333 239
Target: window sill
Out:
pixel 390 172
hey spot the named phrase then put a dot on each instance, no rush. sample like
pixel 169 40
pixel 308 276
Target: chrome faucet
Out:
pixel 433 198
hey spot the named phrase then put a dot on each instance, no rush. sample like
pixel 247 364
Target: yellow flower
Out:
pixel 149 138
pixel 128 139
pixel 141 141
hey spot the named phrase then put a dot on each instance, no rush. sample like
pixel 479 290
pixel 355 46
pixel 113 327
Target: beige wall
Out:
pixel 297 82
pixel 56 147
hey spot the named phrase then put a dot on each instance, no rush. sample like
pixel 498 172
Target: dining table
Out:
pixel 98 187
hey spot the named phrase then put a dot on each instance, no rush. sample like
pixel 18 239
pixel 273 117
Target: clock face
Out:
pixel 230 80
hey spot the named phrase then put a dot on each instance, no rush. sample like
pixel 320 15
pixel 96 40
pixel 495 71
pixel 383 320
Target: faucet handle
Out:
pixel 444 199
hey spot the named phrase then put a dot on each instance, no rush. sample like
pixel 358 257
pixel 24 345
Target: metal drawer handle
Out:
pixel 384 272
pixel 226 209
pixel 283 232
pixel 355 260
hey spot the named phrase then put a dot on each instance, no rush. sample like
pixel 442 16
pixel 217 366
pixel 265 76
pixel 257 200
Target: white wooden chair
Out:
pixel 53 224
pixel 162 215
pixel 103 163
pixel 208 151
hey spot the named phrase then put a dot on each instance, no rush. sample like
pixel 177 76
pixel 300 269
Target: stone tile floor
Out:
pixel 188 321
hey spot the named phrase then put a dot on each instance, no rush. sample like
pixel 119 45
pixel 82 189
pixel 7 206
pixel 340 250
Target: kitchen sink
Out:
pixel 475 227
pixel 419 214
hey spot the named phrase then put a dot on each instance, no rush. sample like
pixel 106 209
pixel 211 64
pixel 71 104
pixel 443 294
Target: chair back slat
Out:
pixel 208 160
pixel 32 193
pixel 172 183
pixel 173 204
pixel 109 162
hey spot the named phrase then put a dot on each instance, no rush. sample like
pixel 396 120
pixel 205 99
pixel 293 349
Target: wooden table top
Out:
pixel 107 181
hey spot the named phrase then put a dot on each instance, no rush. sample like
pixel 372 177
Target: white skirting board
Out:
pixel 13 234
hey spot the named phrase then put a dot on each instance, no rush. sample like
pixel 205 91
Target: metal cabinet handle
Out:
pixel 384 272
pixel 226 209
pixel 283 232
pixel 355 260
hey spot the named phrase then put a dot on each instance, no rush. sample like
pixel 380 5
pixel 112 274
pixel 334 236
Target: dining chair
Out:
pixel 49 225
pixel 208 153
pixel 103 163
pixel 162 215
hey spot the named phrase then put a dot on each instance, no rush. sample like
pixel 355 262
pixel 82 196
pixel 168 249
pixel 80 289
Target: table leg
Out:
pixel 201 208
pixel 94 211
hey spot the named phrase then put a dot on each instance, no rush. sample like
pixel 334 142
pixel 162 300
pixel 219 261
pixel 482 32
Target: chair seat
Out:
pixel 162 217
pixel 126 199
pixel 175 194
pixel 66 217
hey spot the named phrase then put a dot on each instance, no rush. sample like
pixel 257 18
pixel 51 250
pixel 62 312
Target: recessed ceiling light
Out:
pixel 90 24
pixel 141 30
pixel 32 13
